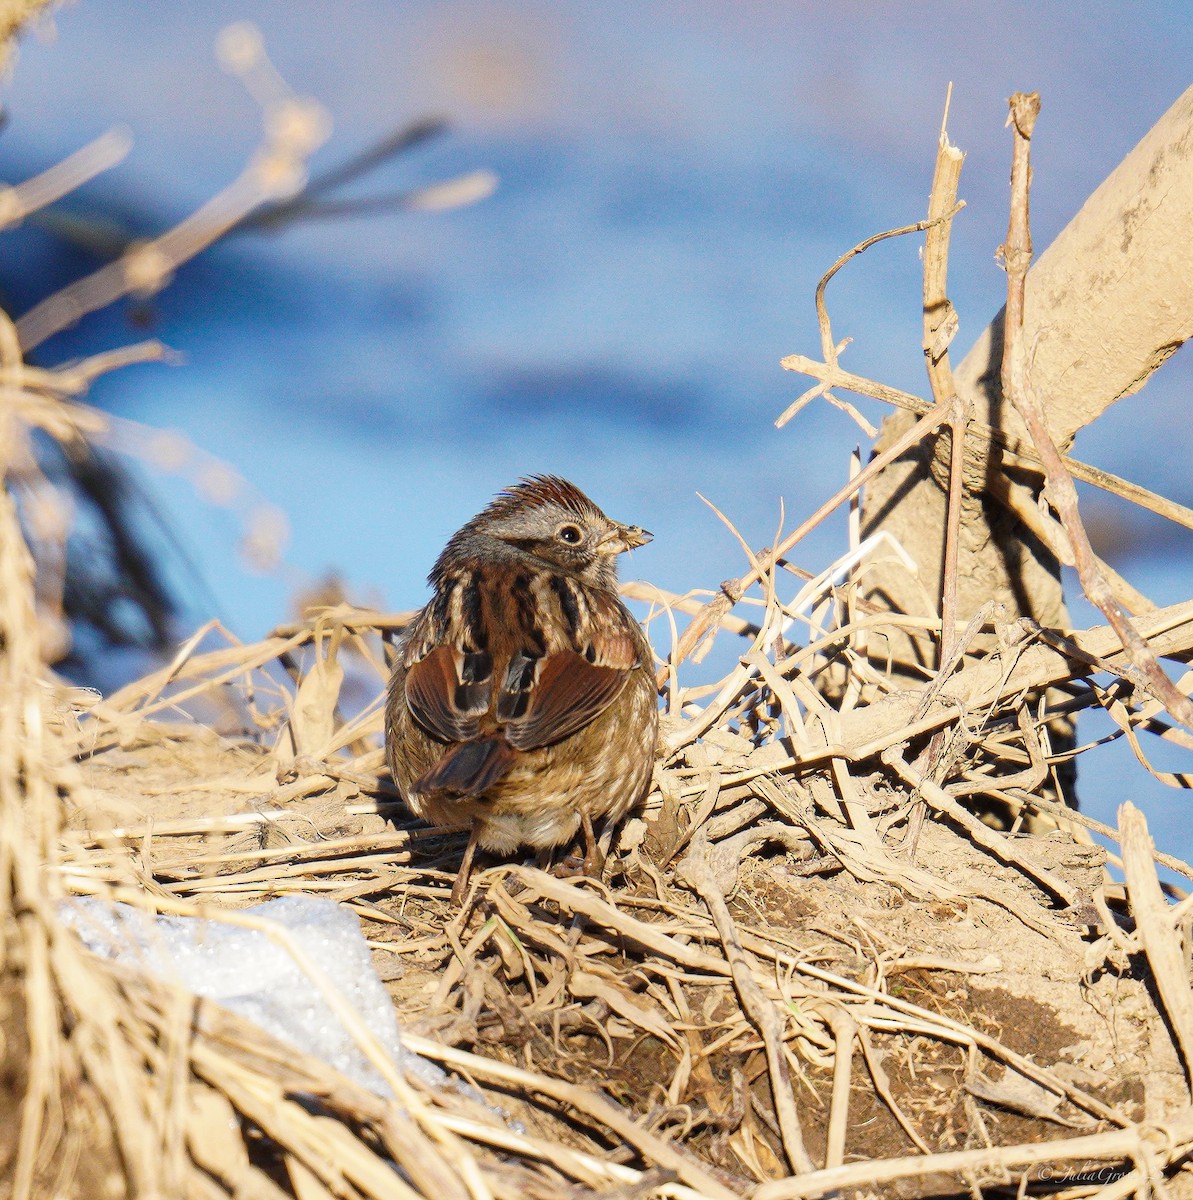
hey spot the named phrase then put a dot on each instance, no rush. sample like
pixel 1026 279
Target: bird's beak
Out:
pixel 623 537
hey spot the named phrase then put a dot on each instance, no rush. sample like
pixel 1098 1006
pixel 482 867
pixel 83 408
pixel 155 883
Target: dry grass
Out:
pixel 809 967
pixel 762 926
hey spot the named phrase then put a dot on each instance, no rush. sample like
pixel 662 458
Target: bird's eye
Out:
pixel 571 534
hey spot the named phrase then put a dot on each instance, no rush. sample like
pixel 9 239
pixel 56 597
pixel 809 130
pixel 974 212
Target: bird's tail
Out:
pixel 468 769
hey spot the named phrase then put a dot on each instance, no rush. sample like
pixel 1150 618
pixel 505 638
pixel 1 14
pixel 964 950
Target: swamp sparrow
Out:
pixel 522 699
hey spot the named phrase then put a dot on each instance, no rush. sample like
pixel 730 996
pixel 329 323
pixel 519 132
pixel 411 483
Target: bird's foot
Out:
pixel 591 863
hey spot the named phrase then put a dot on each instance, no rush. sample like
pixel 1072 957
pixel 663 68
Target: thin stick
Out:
pixel 827 345
pixel 584 1100
pixel 1016 387
pixel 940 324
pixel 844 1029
pixel 72 172
pixel 763 1015
pixel 1015 452
pixel 1164 1143
pixel 1154 924
pixel 733 590
pixel 940 318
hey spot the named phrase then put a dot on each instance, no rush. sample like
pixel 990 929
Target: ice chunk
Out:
pixel 250 973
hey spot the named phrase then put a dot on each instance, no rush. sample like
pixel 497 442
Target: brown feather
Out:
pixel 469 768
pixel 433 690
pixel 569 693
pixel 538 491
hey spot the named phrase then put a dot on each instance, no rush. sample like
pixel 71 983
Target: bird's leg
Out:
pixel 594 858
pixel 591 864
pixel 461 885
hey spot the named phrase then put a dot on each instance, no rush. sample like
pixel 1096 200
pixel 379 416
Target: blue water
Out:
pixel 674 180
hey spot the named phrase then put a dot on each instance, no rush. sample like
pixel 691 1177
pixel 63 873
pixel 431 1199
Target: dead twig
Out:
pixel 733 590
pixel 1155 930
pixel 940 325
pixel 1170 1143
pixel 695 871
pixel 1016 385
pixel 1015 452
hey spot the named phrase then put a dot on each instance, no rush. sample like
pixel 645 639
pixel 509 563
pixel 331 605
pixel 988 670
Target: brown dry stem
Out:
pixel 695 871
pixel 940 326
pixel 1017 388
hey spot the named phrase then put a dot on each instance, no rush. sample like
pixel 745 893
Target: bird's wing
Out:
pixel 564 693
pixel 546 699
pixel 536 690
pixel 448 691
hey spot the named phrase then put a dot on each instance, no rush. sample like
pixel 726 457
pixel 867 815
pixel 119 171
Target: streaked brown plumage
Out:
pixel 522 698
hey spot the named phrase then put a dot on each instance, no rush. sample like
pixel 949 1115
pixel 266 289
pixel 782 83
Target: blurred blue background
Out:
pixel 674 179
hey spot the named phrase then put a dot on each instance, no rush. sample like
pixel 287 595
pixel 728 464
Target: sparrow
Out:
pixel 522 699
